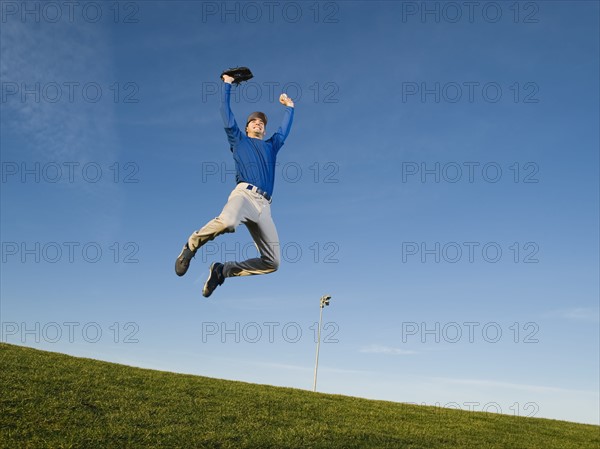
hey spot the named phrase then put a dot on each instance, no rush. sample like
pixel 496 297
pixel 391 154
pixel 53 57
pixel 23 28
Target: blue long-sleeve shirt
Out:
pixel 255 159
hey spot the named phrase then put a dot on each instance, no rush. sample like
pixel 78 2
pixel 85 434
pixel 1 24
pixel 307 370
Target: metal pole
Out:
pixel 318 344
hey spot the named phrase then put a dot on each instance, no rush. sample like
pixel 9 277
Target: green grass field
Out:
pixel 57 401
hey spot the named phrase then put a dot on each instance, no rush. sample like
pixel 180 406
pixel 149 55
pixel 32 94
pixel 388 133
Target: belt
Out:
pixel 259 191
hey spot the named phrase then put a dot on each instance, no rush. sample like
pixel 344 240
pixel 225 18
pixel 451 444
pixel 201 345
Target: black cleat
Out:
pixel 215 278
pixel 183 261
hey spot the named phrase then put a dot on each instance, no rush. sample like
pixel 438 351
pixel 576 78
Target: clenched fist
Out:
pixel 284 99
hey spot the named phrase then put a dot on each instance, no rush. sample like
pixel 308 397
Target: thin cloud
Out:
pixel 485 383
pixel 49 68
pixel 583 314
pixel 378 349
pixel 64 110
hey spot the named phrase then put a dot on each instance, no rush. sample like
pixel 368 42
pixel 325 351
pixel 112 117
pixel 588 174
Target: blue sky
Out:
pixel 440 181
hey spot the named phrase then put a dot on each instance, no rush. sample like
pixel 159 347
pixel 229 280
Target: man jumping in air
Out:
pixel 250 201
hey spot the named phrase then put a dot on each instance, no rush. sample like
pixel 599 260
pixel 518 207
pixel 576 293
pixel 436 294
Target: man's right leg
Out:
pixel 232 215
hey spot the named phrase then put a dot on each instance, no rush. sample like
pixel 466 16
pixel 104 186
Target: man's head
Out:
pixel 256 125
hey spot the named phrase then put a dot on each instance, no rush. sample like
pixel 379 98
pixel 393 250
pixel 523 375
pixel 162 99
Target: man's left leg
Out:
pixel 266 239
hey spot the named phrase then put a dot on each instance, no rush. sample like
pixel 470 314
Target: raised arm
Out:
pixel 231 127
pixel 288 117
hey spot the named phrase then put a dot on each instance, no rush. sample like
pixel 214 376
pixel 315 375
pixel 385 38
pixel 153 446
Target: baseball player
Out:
pixel 250 200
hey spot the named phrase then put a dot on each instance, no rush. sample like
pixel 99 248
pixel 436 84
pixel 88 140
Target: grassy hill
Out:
pixel 54 400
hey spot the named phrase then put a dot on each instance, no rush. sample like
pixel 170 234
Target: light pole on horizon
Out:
pixel 324 302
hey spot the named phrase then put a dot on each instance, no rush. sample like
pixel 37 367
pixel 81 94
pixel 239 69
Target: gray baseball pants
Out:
pixel 252 209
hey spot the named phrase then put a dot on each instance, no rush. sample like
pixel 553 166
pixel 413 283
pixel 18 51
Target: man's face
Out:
pixel 256 127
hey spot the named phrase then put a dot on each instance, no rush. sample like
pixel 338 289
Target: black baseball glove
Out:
pixel 238 74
